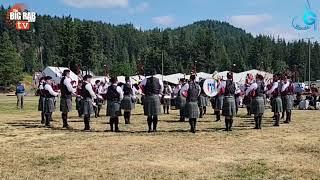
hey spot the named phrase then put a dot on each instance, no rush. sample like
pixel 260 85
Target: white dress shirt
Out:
pixel 285 86
pixel 90 90
pixel 252 87
pixel 48 87
pixel 274 87
pixel 67 83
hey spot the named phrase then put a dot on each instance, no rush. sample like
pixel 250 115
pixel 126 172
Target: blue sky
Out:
pixel 270 17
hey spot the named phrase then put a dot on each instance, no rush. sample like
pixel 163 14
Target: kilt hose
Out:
pixel 277 105
pixel 152 105
pixel 219 103
pixel 127 103
pixel 258 105
pixel 41 104
pixel 192 110
pixel 114 109
pixel 65 104
pixel 87 107
pixel 229 106
pixel 288 103
pixel 49 105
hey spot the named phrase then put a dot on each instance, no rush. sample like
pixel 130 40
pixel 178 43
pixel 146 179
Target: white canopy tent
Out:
pixel 56 74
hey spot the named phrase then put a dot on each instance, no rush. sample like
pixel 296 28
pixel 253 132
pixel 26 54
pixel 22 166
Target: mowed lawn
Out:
pixel 30 151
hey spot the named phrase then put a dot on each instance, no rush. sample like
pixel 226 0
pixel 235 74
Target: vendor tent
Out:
pixel 56 74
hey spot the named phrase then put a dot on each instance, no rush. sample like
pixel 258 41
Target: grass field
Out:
pixel 30 151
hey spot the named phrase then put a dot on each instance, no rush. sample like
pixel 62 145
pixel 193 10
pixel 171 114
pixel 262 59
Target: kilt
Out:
pixel 166 101
pixel 127 103
pixel 79 103
pixel 65 104
pixel 49 105
pixel 219 102
pixel 229 106
pixel 108 107
pixel 40 105
pixel 247 100
pixel 288 103
pixel 114 109
pixel 277 105
pixel 257 105
pixel 180 102
pixel 192 110
pixel 203 101
pixel 152 105
pixel 87 107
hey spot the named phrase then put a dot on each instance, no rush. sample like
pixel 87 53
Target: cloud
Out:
pixel 140 8
pixel 286 33
pixel 163 20
pixel 97 3
pixel 247 21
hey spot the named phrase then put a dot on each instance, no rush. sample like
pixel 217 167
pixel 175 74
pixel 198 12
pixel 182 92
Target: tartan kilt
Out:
pixel 229 106
pixel 203 101
pixel 166 102
pixel 87 106
pixel 192 110
pixel 49 105
pixel 152 105
pixel 41 103
pixel 288 103
pixel 65 104
pixel 127 103
pixel 277 105
pixel 114 109
pixel 247 100
pixel 78 103
pixel 181 102
pixel 219 102
pixel 257 105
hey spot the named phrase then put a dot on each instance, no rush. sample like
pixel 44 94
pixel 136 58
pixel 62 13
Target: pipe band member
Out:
pixel 128 101
pixel 49 100
pixel 79 99
pixel 66 97
pixel 152 87
pixel 181 99
pixel 167 91
pixel 276 102
pixel 88 96
pixel 229 103
pixel 219 99
pixel 256 91
pixel 192 108
pixel 203 100
pixel 287 91
pixel 40 92
pixel 114 96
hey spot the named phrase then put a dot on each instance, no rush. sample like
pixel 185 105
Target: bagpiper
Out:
pixel 79 99
pixel 247 99
pixel 167 90
pixel 66 97
pixel 88 96
pixel 219 99
pixel 41 98
pixel 181 99
pixel 287 91
pixel 276 99
pixel 192 108
pixel 114 96
pixel 229 104
pixel 49 100
pixel 256 91
pixel 152 88
pixel 128 101
pixel 99 99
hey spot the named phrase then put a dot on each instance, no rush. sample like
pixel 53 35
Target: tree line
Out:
pixel 123 50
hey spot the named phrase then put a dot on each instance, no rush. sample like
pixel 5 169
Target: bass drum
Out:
pixel 210 87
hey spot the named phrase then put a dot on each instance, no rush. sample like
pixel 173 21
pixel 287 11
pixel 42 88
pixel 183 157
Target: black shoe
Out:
pixel 286 122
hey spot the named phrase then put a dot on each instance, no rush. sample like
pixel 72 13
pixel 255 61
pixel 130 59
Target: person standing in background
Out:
pixel 287 90
pixel 66 97
pixel 203 100
pixel 276 103
pixel 127 103
pixel 166 97
pixel 181 99
pixel 20 93
pixel 40 92
pixel 229 103
pixel 79 99
pixel 219 98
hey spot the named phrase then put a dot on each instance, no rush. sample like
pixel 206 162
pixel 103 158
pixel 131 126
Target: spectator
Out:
pixel 20 92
